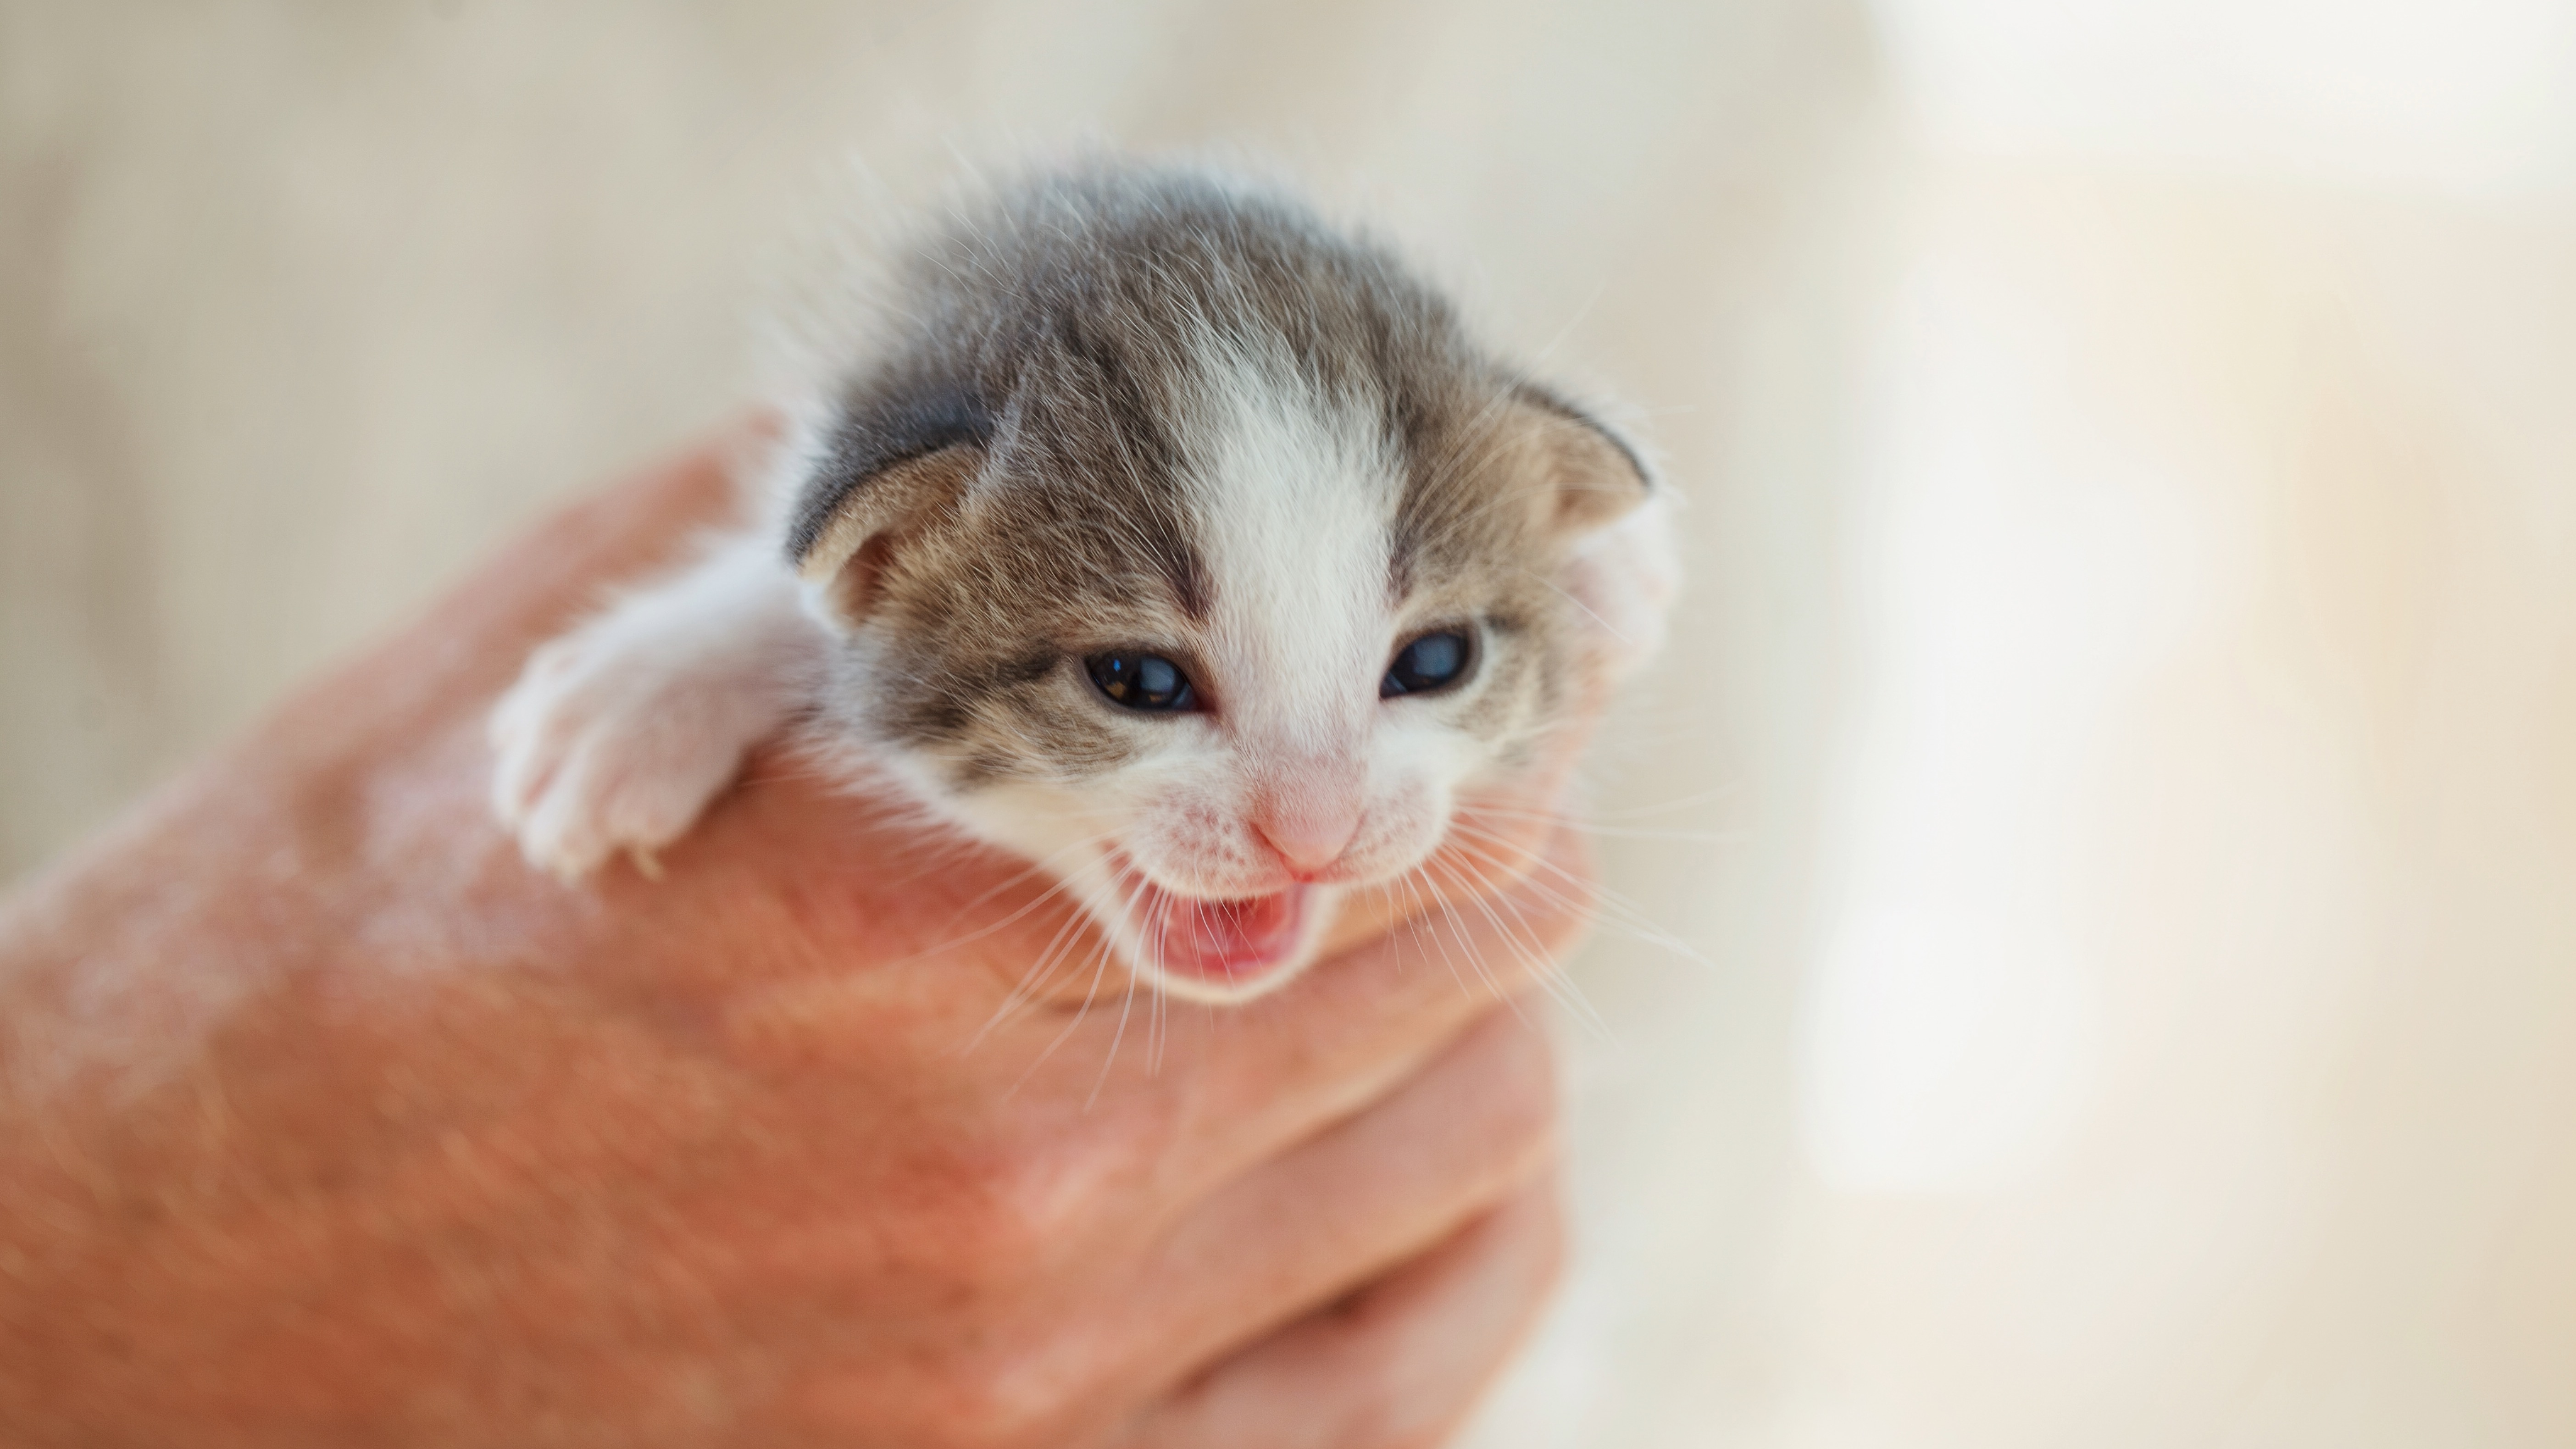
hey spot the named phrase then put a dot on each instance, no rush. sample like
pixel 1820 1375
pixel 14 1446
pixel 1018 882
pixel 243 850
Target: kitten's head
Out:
pixel 1191 549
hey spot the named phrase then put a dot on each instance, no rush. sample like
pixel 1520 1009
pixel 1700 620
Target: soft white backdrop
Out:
pixel 2115 782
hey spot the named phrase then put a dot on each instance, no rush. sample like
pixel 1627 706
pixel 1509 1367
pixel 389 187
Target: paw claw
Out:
pixel 613 740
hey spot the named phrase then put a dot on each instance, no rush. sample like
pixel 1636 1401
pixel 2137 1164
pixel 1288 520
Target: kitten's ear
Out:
pixel 848 531
pixel 1590 475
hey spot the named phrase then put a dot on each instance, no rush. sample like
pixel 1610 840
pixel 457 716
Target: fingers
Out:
pixel 1373 1192
pixel 1399 1364
pixel 1208 1093
pixel 1229 1089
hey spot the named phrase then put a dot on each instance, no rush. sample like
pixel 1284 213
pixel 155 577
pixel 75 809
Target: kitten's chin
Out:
pixel 1221 950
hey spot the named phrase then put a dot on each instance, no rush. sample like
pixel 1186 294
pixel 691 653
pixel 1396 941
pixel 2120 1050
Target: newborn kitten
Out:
pixel 1163 535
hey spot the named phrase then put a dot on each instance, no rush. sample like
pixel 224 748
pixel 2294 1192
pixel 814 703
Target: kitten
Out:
pixel 1163 535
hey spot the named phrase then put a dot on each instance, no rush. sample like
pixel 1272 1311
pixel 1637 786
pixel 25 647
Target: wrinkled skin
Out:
pixel 327 1121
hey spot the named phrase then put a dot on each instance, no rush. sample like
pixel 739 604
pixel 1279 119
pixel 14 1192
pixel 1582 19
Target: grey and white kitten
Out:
pixel 1164 535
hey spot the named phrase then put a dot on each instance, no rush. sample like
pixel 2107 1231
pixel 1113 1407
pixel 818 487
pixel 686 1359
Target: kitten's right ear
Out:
pixel 1592 476
pixel 841 546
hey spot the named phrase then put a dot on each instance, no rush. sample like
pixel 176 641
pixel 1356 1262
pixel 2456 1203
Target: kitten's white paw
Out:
pixel 617 735
pixel 601 749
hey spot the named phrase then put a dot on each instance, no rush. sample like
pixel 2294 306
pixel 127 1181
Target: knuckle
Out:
pixel 1555 1248
pixel 1006 1212
pixel 991 1402
pixel 1382 1411
pixel 1521 1101
pixel 992 1231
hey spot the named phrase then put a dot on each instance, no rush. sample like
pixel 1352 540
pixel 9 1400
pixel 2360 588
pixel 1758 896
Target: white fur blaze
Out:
pixel 1296 505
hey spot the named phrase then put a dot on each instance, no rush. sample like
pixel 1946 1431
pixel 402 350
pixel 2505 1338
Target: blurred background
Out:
pixel 2095 961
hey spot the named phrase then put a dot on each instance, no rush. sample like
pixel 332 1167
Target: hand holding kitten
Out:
pixel 326 1121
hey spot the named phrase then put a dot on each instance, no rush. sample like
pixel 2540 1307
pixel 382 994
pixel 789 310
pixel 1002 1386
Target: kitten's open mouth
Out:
pixel 1231 941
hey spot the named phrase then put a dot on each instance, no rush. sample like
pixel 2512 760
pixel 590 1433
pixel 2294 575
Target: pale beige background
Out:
pixel 2117 768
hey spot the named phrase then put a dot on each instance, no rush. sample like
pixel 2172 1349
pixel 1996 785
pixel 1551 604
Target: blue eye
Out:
pixel 1434 661
pixel 1146 682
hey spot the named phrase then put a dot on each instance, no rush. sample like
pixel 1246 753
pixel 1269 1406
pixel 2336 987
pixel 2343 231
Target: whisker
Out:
pixel 1125 1009
pixel 1422 914
pixel 1158 1033
pixel 1526 939
pixel 1615 910
pixel 1562 592
pixel 1546 970
pixel 1606 900
pixel 1061 884
pixel 1493 987
pixel 1102 955
pixel 1558 981
pixel 1031 982
pixel 1612 832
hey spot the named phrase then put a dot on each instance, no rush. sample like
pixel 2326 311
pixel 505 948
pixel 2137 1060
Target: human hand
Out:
pixel 326 1121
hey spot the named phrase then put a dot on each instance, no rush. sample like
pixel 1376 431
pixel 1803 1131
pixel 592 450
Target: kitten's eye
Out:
pixel 1434 661
pixel 1146 682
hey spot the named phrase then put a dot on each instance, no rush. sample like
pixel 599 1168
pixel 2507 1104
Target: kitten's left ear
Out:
pixel 1592 476
pixel 851 531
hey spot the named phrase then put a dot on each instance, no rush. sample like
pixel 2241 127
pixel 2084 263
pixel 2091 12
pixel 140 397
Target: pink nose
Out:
pixel 1309 835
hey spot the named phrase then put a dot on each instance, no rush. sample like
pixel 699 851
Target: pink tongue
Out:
pixel 1223 938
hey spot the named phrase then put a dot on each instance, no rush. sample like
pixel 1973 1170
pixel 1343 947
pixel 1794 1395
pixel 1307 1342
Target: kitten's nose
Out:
pixel 1309 829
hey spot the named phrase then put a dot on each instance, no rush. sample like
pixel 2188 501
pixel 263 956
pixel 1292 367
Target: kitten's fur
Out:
pixel 1140 408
